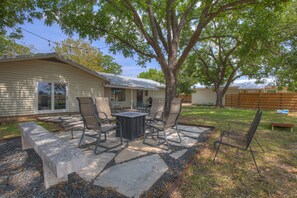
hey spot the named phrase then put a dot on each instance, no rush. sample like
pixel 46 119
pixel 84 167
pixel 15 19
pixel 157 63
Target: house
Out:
pixel 206 96
pixel 131 92
pixel 49 83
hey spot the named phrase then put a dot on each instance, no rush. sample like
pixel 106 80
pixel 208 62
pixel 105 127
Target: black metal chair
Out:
pixel 240 141
pixel 93 122
pixel 162 125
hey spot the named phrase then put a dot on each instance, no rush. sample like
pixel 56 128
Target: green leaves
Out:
pixel 16 12
pixel 87 55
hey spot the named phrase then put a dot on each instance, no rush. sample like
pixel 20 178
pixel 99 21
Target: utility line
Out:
pixel 53 42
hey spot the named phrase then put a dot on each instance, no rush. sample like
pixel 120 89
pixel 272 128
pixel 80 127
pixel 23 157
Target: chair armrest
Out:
pixel 104 119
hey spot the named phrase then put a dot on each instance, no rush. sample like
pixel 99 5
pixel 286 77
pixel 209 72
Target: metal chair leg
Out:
pixel 259 144
pixel 97 143
pixel 252 152
pixel 216 152
pixel 82 136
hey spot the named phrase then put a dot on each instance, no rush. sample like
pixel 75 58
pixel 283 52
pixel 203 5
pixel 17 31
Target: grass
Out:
pixel 11 130
pixel 234 174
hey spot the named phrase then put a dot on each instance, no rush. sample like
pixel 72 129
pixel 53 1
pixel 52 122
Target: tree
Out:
pixel 162 30
pixel 85 54
pixel 9 48
pixel 153 74
pixel 184 80
pixel 234 49
pixel 16 12
pixel 284 61
pixel 110 66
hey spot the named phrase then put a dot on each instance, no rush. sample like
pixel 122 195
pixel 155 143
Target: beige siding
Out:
pixel 208 97
pixel 158 94
pixel 126 104
pixel 18 82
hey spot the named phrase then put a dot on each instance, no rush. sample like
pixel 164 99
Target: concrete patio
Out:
pixel 134 168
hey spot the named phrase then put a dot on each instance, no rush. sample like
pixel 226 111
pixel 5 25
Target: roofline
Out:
pixel 156 84
pixel 134 88
pixel 58 57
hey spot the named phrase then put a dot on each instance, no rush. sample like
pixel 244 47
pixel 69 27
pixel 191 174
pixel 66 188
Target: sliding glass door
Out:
pixel 52 97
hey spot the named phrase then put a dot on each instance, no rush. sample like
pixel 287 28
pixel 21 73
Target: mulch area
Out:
pixel 22 174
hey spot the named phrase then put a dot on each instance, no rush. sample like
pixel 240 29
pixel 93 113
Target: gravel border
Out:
pixel 22 174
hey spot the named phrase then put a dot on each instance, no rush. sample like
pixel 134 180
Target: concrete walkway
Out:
pixel 133 168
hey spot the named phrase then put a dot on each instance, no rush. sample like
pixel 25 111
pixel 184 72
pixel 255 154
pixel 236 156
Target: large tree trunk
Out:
pixel 170 90
pixel 219 101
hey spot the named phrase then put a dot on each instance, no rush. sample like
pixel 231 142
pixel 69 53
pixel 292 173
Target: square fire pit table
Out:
pixel 133 124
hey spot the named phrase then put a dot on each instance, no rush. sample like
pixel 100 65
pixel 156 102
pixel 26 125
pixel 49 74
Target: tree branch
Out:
pixel 183 19
pixel 128 43
pixel 204 19
pixel 154 29
pixel 161 36
pixel 205 65
pixel 138 21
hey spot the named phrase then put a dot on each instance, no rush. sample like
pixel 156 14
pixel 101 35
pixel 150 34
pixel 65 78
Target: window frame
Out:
pixel 52 110
pixel 114 95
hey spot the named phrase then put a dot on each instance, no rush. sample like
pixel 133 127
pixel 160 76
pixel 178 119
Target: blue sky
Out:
pixel 54 33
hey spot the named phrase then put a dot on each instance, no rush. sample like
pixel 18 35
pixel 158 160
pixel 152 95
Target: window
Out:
pixel 51 96
pixel 44 96
pixel 146 93
pixel 60 96
pixel 118 94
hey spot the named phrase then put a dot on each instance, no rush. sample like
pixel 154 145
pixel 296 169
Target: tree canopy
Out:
pixel 234 49
pixel 9 48
pixel 16 12
pixel 162 30
pixel 153 74
pixel 85 54
pixel 284 60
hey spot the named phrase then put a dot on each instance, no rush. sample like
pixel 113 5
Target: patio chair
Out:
pixel 241 141
pixel 103 109
pixel 162 125
pixel 235 134
pixel 156 110
pixel 93 123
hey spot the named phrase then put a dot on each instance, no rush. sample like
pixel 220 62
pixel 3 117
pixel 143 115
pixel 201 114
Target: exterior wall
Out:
pixel 208 97
pixel 127 103
pixel 158 94
pixel 124 104
pixel 18 81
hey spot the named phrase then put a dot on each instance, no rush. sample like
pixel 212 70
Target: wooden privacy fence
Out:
pixel 262 100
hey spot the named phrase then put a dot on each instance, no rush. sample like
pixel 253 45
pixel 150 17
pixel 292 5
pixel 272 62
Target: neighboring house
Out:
pixel 130 92
pixel 206 96
pixel 49 83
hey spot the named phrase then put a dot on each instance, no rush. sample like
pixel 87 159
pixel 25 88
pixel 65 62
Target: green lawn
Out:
pixel 11 130
pixel 234 174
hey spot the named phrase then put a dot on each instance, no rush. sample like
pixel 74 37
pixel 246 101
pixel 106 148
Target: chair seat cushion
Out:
pixel 108 127
pixel 157 125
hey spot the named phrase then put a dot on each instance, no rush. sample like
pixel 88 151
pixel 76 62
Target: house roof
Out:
pixel 112 79
pixel 130 82
pixel 51 57
pixel 246 84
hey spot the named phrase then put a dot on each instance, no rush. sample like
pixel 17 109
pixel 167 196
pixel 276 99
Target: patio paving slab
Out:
pixel 139 146
pixel 96 163
pixel 178 154
pixel 128 154
pixel 131 178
